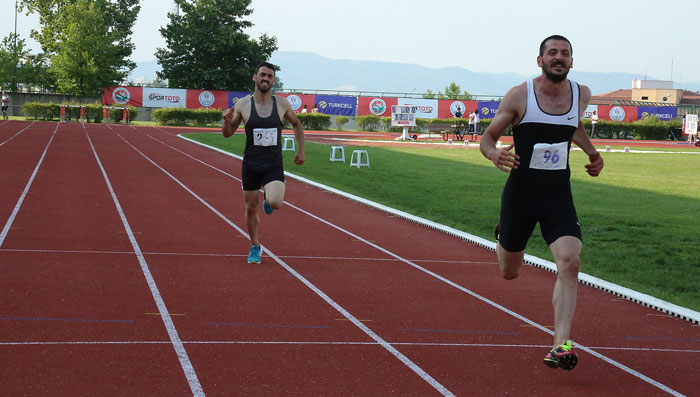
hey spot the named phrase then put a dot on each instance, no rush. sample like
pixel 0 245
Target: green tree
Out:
pixel 87 41
pixel 207 47
pixel 453 91
pixel 18 66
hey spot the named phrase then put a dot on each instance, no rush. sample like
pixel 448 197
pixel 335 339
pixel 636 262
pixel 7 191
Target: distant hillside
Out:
pixel 305 70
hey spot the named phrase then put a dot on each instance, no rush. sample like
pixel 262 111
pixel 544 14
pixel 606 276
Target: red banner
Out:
pixel 116 96
pixel 207 99
pixel 298 101
pixel 448 107
pixel 617 113
pixel 377 106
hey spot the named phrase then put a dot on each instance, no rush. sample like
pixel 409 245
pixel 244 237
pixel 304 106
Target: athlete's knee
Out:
pixel 275 203
pixel 569 266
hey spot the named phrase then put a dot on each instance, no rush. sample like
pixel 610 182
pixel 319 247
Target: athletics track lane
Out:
pixel 402 304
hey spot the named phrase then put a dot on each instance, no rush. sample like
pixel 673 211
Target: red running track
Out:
pixel 123 268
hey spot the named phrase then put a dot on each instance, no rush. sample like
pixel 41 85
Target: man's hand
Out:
pixel 596 164
pixel 505 159
pixel 228 116
pixel 300 157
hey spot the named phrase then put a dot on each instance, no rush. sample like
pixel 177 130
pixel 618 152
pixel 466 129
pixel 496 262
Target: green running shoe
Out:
pixel 562 357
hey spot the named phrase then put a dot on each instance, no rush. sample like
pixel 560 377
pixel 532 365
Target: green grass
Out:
pixel 640 219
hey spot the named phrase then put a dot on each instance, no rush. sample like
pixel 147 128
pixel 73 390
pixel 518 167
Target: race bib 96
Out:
pixel 265 136
pixel 547 156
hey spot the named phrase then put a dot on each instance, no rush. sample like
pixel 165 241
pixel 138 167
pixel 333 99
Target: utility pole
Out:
pixel 14 70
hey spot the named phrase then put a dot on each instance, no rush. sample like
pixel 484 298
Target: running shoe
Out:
pixel 497 232
pixel 267 208
pixel 254 254
pixel 562 357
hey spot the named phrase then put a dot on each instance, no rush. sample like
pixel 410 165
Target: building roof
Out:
pixel 688 98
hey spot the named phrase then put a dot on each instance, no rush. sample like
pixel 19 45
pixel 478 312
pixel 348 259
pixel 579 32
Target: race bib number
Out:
pixel 547 156
pixel 265 136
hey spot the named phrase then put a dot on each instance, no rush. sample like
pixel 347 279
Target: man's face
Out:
pixel 556 60
pixel 264 79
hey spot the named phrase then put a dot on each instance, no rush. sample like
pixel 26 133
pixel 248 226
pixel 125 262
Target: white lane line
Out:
pixel 325 258
pixel 185 363
pixel 328 343
pixel 473 294
pixel 22 130
pixel 11 219
pixel 410 364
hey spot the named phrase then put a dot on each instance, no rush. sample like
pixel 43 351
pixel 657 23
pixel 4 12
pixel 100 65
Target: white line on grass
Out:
pixel 11 219
pixel 478 241
pixel 410 364
pixel 185 363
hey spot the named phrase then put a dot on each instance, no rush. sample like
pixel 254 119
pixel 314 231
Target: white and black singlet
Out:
pixel 539 190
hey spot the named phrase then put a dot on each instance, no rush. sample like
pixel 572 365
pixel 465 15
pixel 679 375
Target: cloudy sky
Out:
pixel 645 37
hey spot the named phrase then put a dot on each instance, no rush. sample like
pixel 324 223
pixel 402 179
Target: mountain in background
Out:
pixel 308 71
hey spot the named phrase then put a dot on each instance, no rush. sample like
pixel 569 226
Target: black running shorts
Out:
pixel 520 212
pixel 254 178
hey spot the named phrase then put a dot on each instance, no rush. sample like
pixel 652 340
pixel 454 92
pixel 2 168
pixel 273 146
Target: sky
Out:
pixel 649 38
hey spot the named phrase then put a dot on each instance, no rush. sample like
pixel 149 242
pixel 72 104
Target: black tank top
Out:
pixel 263 146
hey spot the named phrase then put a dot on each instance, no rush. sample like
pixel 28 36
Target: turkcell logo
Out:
pixel 377 107
pixel 323 104
pixel 617 113
pixel 121 95
pixel 206 99
pixel 295 101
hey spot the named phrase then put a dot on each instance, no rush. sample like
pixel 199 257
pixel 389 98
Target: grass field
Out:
pixel 640 218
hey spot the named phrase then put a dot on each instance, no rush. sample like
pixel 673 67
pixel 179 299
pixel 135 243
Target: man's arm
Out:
pixel 581 138
pixel 232 119
pixel 508 111
pixel 291 116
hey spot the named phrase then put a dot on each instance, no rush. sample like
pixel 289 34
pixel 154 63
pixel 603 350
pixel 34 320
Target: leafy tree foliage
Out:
pixel 452 91
pixel 207 47
pixel 18 66
pixel 87 41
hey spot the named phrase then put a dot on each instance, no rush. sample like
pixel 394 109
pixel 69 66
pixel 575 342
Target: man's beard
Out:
pixel 264 89
pixel 555 78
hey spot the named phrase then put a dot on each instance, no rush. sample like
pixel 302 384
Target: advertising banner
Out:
pixel 164 97
pixel 589 111
pixel 332 104
pixel 664 113
pixel 377 106
pixel 203 99
pixel 617 113
pixel 427 108
pixel 298 101
pixel 448 107
pixel 487 110
pixel 234 96
pixel 116 96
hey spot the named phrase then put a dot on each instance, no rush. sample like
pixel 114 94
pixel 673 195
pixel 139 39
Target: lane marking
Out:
pixel 272 325
pixel 360 320
pixel 11 219
pixel 404 359
pixel 331 343
pixel 170 314
pixel 22 130
pixel 338 258
pixel 476 240
pixel 184 359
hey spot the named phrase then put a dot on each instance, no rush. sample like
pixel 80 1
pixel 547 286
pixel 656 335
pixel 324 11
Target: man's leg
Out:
pixel 566 251
pixel 274 194
pixel 509 262
pixel 251 214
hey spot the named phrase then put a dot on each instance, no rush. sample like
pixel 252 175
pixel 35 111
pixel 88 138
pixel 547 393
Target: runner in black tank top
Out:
pixel 545 115
pixel 262 160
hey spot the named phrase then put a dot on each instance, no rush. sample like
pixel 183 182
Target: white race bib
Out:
pixel 265 136
pixel 547 156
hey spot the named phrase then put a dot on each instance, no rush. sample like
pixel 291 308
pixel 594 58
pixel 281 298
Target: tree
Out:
pixel 452 91
pixel 87 41
pixel 207 47
pixel 18 66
